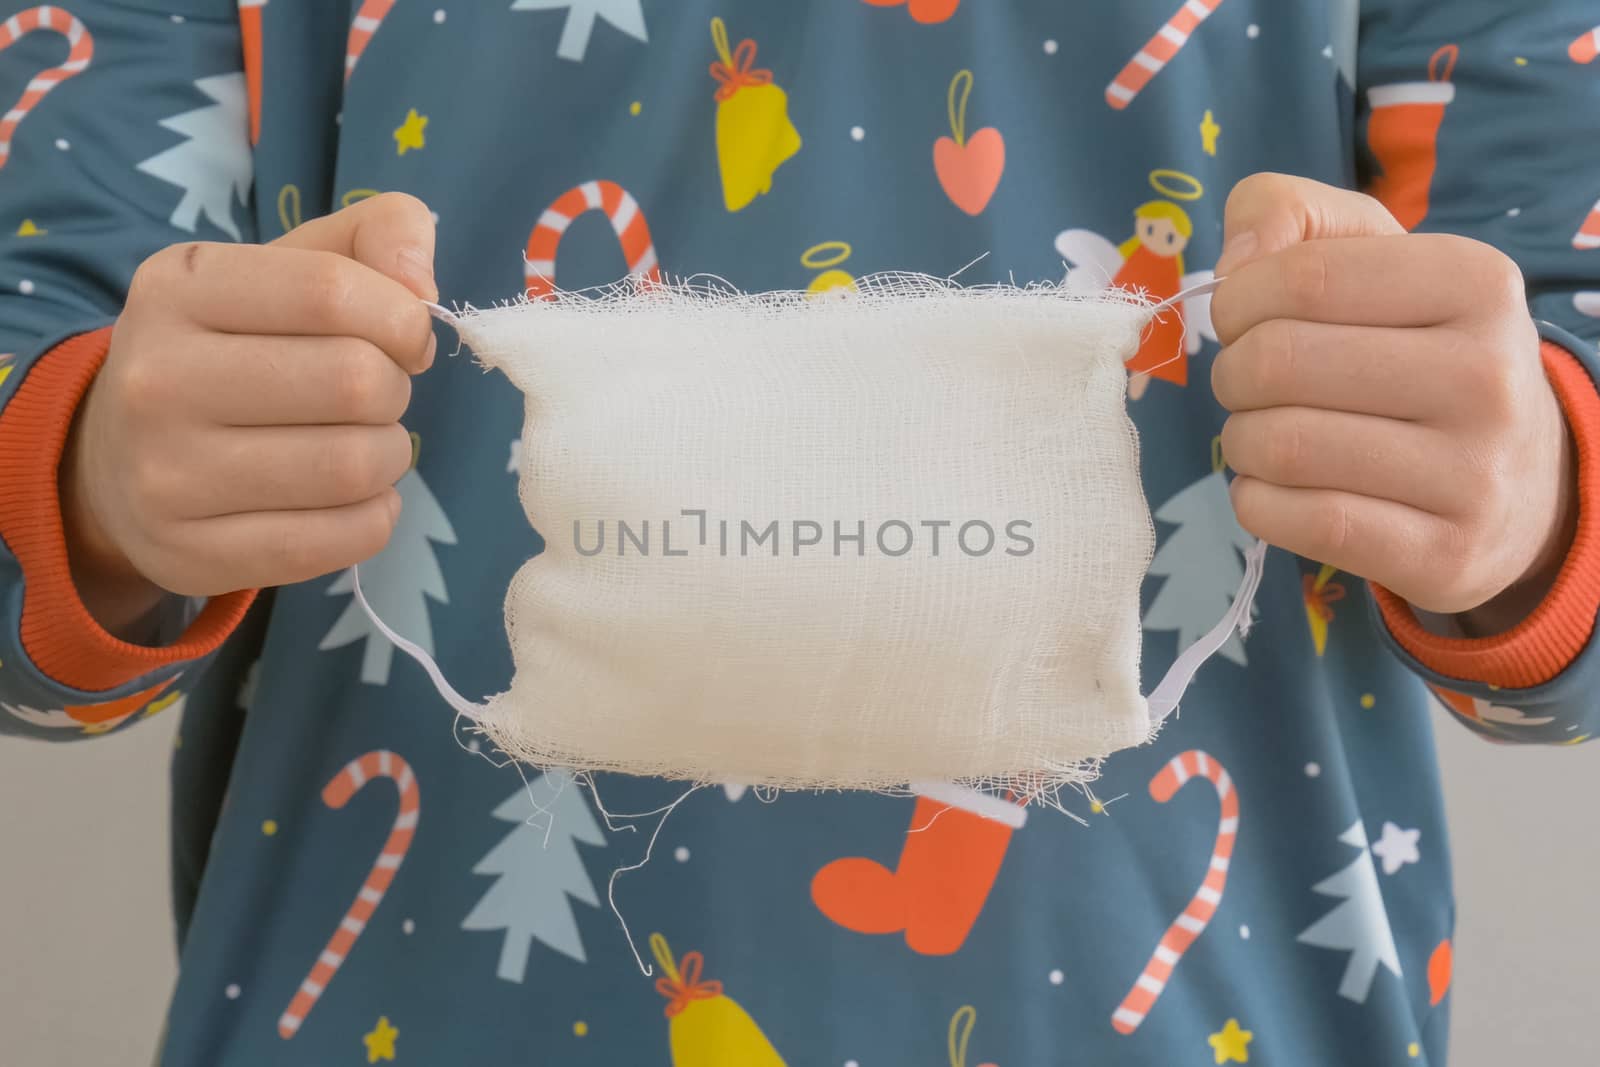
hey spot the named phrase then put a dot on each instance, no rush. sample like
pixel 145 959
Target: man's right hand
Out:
pixel 244 431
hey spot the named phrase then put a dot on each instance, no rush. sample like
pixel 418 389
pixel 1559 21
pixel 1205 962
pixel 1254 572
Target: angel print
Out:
pixel 1149 262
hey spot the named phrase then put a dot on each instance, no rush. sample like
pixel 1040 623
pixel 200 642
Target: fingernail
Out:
pixel 1237 252
pixel 394 504
pixel 430 351
pixel 417 267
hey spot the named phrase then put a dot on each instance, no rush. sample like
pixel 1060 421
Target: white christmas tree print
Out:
pixel 1359 925
pixel 540 867
pixel 213 166
pixel 397 583
pixel 625 15
pixel 1202 563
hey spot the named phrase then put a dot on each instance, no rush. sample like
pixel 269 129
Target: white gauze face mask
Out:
pixel 851 540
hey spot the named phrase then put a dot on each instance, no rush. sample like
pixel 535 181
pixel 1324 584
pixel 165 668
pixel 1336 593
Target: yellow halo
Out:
pixel 1176 184
pixel 826 254
pixel 354 195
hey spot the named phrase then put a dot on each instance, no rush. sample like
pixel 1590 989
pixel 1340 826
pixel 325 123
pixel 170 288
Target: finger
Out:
pixel 393 233
pixel 250 380
pixel 1398 373
pixel 1307 448
pixel 1413 280
pixel 286 468
pixel 253 551
pixel 1267 213
pixel 1392 544
pixel 267 289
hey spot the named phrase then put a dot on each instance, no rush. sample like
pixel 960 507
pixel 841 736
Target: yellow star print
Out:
pixel 408 134
pixel 380 1043
pixel 1208 133
pixel 1229 1044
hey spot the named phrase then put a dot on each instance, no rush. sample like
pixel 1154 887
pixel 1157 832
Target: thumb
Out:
pixel 392 233
pixel 1267 213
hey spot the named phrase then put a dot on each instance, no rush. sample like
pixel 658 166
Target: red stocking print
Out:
pixel 1403 135
pixel 952 854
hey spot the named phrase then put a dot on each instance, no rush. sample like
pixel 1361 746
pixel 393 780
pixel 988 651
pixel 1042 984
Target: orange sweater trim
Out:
pixel 1551 638
pixel 58 633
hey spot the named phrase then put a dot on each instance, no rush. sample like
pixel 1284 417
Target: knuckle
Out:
pixel 1338 527
pixel 1276 343
pixel 1500 278
pixel 297 555
pixel 359 382
pixel 329 288
pixel 142 385
pixel 1283 450
pixel 351 469
pixel 151 482
pixel 1305 275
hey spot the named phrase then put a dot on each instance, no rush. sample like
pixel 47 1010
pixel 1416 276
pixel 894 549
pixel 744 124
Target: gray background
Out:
pixel 86 957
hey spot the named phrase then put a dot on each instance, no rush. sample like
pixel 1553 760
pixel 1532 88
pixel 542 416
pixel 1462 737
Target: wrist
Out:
pixel 119 598
pixel 1517 601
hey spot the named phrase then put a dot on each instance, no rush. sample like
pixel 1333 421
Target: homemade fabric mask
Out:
pixel 862 539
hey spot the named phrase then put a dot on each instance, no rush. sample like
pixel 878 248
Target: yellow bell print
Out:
pixel 705 1028
pixel 754 134
pixel 828 254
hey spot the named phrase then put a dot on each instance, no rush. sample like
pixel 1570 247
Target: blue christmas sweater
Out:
pixel 1269 882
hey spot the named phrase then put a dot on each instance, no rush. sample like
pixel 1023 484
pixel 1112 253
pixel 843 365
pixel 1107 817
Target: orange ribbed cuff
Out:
pixel 1547 641
pixel 58 633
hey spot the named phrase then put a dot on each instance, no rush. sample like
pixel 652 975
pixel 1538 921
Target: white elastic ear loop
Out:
pixel 446 690
pixel 1164 700
pixel 1172 301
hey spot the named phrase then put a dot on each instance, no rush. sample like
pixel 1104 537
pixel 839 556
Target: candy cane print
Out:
pixel 82 50
pixel 362 27
pixel 355 774
pixel 627 221
pixel 1157 52
pixel 1586 47
pixel 1193 919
